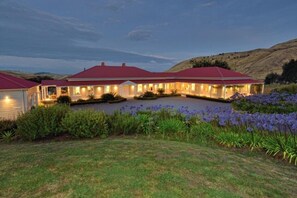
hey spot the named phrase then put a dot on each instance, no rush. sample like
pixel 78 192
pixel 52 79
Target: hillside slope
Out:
pixel 256 63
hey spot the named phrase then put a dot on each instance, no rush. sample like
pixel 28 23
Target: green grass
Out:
pixel 128 167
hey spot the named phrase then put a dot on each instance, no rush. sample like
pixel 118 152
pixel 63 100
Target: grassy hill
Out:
pixel 31 75
pixel 256 63
pixel 128 167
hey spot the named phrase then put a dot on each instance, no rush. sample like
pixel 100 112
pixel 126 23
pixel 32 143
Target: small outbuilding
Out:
pixel 17 95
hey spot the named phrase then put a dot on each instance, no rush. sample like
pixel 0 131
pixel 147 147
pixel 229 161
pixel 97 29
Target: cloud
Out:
pixel 144 32
pixel 140 35
pixel 208 4
pixel 116 5
pixel 26 32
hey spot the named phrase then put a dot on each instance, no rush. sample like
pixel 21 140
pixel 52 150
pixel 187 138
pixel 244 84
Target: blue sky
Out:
pixel 65 36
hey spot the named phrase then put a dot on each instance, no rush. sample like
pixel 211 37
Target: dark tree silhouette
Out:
pixel 272 78
pixel 209 63
pixel 290 72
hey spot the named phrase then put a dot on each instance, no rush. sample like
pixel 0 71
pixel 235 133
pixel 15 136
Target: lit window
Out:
pixel 193 86
pixel 107 89
pixel 139 88
pixel 77 90
pixel 160 85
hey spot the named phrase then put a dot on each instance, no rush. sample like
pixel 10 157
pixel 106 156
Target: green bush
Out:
pixel 230 139
pixel 123 123
pixel 108 97
pixel 7 136
pixel 85 124
pixel 161 91
pixel 63 100
pixel 172 126
pixel 7 125
pixel 291 88
pixel 41 122
pixel 201 132
pixel 147 124
pixel 148 94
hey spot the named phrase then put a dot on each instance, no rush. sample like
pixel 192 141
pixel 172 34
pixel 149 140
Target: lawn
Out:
pixel 137 167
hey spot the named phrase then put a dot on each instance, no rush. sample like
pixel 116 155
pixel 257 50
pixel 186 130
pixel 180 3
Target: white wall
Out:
pixel 14 102
pixel 11 104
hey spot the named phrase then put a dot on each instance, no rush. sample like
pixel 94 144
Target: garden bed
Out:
pixel 210 99
pixel 82 102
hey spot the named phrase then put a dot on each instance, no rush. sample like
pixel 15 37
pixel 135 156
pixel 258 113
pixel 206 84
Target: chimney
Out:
pixel 123 64
pixel 84 69
pixel 102 64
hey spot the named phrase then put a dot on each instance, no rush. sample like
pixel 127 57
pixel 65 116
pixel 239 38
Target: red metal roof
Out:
pixel 11 82
pixel 210 72
pixel 113 72
pixel 100 75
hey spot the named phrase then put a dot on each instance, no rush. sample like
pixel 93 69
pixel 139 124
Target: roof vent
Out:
pixel 123 64
pixel 102 64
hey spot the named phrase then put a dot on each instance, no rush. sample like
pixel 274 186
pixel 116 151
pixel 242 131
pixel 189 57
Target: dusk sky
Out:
pixel 65 36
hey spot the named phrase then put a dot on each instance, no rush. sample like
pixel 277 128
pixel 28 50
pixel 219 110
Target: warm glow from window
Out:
pixel 144 86
pixel 7 99
pixel 139 88
pixel 107 88
pixel 89 88
pixel 160 85
pixel 193 86
pixel 132 87
pixel 201 86
pixel 209 87
pixel 77 90
pixel 115 88
pixel 99 88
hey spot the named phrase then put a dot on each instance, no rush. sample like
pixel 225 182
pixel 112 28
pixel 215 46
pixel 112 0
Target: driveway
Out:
pixel 178 102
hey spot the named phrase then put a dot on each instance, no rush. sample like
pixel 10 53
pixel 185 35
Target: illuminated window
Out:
pixel 160 85
pixel 139 88
pixel 193 87
pixel 107 89
pixel 77 91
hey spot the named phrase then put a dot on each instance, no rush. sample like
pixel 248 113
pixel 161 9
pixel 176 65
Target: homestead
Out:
pixel 130 81
pixel 16 95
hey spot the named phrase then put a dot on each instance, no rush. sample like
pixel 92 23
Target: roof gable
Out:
pixel 112 72
pixel 11 82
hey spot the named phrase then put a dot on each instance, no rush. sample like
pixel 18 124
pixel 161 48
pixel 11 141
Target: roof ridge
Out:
pixel 6 78
pixel 219 71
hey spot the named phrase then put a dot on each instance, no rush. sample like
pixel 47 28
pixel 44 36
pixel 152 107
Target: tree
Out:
pixel 290 72
pixel 209 63
pixel 38 79
pixel 272 78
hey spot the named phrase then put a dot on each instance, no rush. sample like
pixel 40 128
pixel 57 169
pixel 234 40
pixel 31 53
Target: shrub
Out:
pixel 108 97
pixel 172 127
pixel 160 91
pixel 230 139
pixel 91 97
pixel 7 136
pixel 147 124
pixel 85 124
pixel 41 122
pixel 123 123
pixel 7 125
pixel 148 94
pixel 63 100
pixel 202 132
pixel 291 88
pixel 173 91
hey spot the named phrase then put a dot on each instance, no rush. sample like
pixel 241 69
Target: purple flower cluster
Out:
pixel 228 117
pixel 256 121
pixel 273 98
